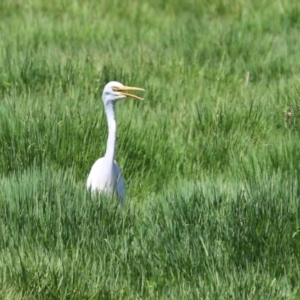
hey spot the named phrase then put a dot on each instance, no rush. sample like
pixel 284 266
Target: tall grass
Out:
pixel 210 159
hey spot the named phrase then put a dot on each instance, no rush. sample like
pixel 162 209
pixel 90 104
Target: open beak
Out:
pixel 124 88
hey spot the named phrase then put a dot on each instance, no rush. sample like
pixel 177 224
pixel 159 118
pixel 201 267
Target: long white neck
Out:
pixel 112 128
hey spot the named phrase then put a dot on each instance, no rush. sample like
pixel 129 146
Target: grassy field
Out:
pixel 211 158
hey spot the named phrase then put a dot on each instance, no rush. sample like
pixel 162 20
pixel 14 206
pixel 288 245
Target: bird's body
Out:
pixel 107 180
pixel 105 175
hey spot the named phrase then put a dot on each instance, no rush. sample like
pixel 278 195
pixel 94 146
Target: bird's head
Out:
pixel 115 91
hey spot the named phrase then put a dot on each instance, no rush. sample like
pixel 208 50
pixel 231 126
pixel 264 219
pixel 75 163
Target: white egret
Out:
pixel 105 175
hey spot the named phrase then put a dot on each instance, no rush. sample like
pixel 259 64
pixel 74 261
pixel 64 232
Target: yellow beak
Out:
pixel 123 88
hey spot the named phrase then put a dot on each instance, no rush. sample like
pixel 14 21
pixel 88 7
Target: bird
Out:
pixel 105 175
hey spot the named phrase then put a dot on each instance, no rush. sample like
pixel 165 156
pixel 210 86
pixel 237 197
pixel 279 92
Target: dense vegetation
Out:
pixel 211 158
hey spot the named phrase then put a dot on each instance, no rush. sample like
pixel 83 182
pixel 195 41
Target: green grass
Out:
pixel 211 159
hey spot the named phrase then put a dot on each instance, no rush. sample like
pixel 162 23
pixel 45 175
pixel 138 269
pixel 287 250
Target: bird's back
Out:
pixel 104 179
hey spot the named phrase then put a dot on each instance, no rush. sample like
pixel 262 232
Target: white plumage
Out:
pixel 106 179
pixel 105 175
